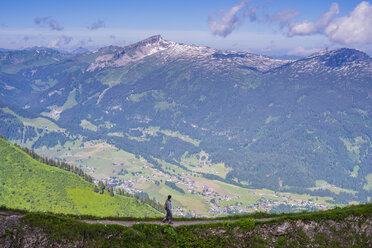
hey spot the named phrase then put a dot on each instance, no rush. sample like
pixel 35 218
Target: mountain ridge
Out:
pixel 343 59
pixel 268 121
pixel 157 44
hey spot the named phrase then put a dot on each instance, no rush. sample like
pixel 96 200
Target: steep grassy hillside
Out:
pixel 28 184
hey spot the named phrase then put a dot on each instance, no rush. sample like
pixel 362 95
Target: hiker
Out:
pixel 168 208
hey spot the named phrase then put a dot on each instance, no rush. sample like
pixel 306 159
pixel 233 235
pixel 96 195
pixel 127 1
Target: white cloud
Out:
pixel 230 19
pixel 251 13
pixel 284 17
pixel 307 27
pixel 353 29
pixel 60 41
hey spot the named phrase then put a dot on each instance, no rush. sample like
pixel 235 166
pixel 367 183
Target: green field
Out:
pixel 153 131
pixel 321 184
pixel 28 184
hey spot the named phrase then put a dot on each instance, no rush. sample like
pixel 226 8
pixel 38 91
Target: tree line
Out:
pixel 60 164
pixel 138 198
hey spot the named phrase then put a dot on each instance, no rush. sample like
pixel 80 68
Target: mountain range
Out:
pixel 276 124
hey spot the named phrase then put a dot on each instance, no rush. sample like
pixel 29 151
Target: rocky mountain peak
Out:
pixel 151 42
pixel 132 53
pixel 153 39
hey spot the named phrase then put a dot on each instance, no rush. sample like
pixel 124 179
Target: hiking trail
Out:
pixel 132 222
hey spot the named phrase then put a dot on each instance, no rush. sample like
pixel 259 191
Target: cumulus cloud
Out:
pixel 97 25
pixel 230 19
pixel 53 24
pixel 352 29
pixel 307 27
pixel 251 13
pixel 60 41
pixel 284 17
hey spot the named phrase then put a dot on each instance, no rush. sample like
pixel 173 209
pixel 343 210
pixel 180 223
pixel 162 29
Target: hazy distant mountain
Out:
pixel 13 61
pixel 80 50
pixel 280 124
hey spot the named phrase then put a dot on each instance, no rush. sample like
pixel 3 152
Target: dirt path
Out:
pixel 175 223
pixel 131 223
pixel 10 213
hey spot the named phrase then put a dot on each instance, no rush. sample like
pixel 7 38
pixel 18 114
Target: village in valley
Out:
pixel 193 194
pixel 218 203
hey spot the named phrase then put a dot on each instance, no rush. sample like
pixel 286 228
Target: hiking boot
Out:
pixel 164 220
pixel 170 222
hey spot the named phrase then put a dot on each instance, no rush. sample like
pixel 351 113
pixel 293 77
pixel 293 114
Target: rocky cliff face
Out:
pixel 353 231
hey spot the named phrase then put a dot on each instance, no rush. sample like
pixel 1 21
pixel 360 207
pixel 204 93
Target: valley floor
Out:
pixel 194 194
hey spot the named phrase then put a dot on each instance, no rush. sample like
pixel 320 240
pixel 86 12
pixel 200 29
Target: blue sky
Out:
pixel 271 27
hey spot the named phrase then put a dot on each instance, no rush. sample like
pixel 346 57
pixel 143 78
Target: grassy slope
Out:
pixel 27 184
pixel 68 230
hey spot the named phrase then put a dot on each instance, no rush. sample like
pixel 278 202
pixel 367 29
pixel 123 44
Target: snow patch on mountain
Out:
pixel 131 53
pixel 212 61
pixel 339 63
pixel 169 51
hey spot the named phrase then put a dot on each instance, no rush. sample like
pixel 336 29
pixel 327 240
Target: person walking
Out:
pixel 168 208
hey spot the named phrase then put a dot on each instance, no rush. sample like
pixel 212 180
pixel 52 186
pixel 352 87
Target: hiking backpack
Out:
pixel 166 205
